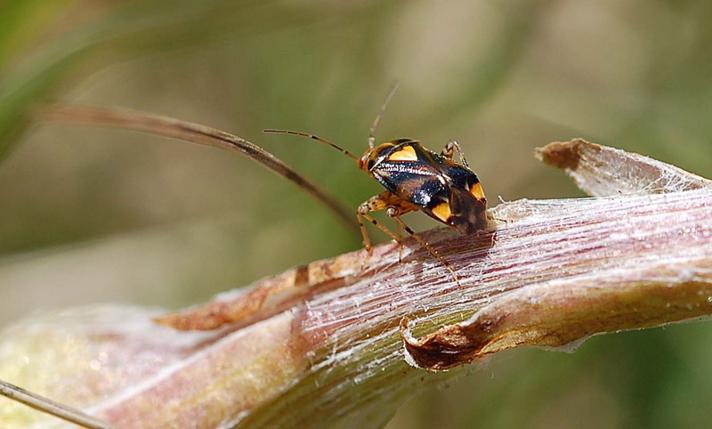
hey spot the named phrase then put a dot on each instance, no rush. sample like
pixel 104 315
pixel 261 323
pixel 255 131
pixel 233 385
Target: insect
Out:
pixel 416 178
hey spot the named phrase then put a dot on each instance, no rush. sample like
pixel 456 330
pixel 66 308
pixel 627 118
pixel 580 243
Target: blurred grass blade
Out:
pixel 49 406
pixel 20 21
pixel 122 30
pixel 195 133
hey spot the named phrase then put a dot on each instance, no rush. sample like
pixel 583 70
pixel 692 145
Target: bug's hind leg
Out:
pixel 449 152
pixel 395 215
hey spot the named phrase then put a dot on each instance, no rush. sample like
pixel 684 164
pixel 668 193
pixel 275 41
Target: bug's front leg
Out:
pixel 375 203
pixel 449 152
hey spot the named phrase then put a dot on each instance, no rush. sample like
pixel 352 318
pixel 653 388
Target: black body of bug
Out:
pixel 445 190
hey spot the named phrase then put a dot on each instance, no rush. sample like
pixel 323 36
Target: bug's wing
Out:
pixel 468 212
pixel 415 181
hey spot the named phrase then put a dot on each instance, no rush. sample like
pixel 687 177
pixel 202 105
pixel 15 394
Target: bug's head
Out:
pixel 372 157
pixel 394 150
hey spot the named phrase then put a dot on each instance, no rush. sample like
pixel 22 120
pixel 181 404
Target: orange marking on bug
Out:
pixel 442 211
pixel 477 191
pixel 406 153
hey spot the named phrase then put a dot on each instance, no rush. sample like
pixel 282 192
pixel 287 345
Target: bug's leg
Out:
pixel 394 214
pixel 399 207
pixel 375 203
pixel 449 152
pixel 401 247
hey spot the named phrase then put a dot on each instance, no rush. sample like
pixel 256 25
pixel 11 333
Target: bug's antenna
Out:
pixel 50 407
pixel 371 134
pixel 314 137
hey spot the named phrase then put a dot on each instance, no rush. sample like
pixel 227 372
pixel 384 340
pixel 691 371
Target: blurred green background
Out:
pixel 90 215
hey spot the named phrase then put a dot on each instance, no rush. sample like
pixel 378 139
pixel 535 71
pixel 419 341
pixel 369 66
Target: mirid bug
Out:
pixel 416 178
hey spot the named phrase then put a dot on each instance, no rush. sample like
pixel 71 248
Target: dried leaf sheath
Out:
pixel 329 350
pixel 352 330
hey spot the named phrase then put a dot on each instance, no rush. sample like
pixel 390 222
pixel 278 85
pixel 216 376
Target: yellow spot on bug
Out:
pixel 477 191
pixel 442 211
pixel 406 153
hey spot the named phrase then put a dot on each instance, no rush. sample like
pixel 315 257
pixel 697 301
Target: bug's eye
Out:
pixel 370 163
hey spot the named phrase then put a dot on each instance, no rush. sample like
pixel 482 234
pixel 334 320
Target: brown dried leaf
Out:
pixel 194 133
pixel 602 171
